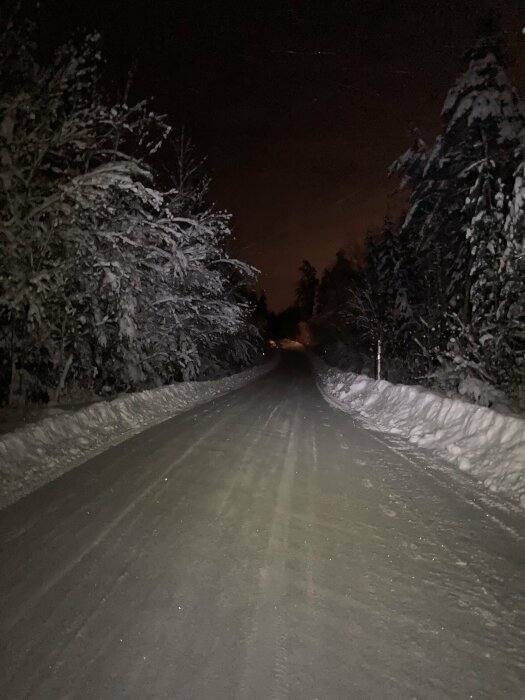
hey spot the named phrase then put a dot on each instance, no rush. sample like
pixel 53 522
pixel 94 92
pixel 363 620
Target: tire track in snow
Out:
pixel 266 653
pixel 96 610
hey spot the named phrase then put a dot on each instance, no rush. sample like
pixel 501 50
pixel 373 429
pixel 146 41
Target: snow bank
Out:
pixel 487 444
pixel 38 453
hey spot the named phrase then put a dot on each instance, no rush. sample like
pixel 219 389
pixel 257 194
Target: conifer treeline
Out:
pixel 444 289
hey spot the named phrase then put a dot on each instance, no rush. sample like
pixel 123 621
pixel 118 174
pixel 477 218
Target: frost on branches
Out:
pixel 106 282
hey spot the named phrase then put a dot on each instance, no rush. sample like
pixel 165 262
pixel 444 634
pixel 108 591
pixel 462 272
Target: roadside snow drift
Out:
pixel 38 453
pixel 487 444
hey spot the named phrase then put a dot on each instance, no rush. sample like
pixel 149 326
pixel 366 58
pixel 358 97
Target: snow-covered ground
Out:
pixel 487 444
pixel 41 451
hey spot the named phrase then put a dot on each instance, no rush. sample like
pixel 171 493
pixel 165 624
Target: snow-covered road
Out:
pixel 262 546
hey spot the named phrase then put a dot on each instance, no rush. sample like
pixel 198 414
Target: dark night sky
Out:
pixel 299 106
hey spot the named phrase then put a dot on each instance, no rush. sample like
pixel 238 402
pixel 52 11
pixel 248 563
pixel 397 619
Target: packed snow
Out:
pixel 38 453
pixel 487 444
pixel 265 547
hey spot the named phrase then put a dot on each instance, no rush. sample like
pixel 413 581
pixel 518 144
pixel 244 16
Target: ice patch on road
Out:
pixel 33 455
pixel 478 440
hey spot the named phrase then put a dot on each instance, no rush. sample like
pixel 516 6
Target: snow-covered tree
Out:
pixel 491 343
pixel 104 279
pixel 510 311
pixel 444 290
pixel 454 235
pixel 483 120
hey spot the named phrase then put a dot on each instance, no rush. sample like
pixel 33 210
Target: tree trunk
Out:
pixel 14 384
pixel 378 359
pixel 63 376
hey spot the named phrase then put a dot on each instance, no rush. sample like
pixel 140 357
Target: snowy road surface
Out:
pixel 262 546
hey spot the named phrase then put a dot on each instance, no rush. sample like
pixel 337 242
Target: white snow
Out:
pixel 33 455
pixel 478 440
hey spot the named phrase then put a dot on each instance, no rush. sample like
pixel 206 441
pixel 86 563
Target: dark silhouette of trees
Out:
pixel 306 290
